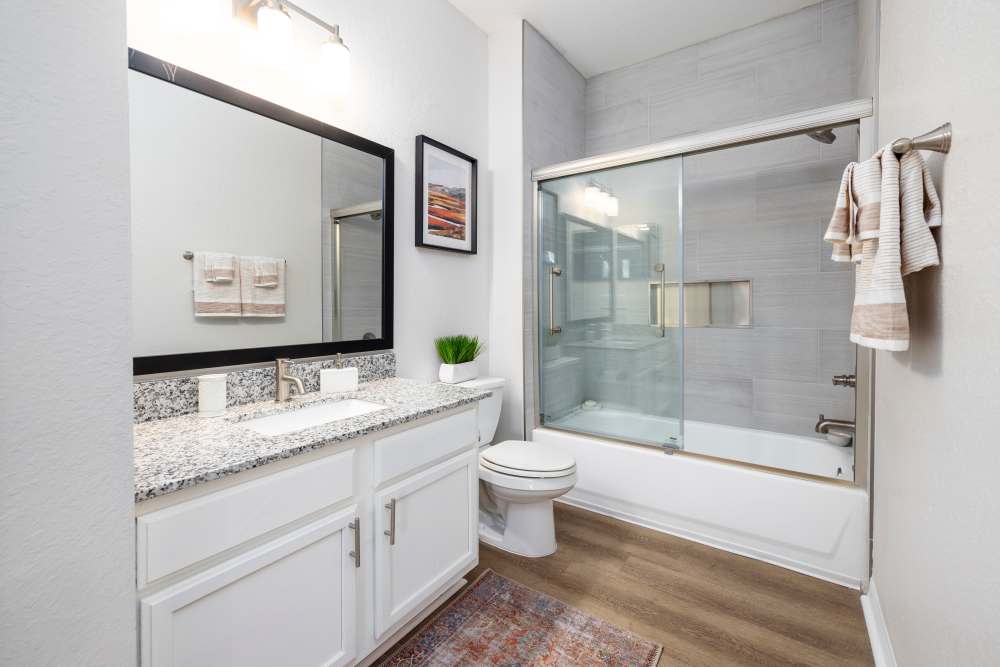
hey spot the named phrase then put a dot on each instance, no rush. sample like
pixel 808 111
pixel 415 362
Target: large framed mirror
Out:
pixel 257 232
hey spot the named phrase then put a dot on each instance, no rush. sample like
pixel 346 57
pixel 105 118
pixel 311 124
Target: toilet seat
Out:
pixel 518 458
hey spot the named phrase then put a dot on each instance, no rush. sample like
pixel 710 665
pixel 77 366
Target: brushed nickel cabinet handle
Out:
pixel 356 554
pixel 554 273
pixel 391 506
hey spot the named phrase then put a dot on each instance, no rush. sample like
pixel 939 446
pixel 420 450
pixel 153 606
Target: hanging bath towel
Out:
pixel 882 220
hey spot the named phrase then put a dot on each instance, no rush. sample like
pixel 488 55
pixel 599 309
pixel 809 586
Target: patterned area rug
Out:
pixel 496 621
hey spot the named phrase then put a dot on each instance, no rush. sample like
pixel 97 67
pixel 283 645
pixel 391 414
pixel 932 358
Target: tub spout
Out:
pixel 824 424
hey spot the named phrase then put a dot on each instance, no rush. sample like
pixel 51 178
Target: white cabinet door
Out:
pixel 432 538
pixel 289 602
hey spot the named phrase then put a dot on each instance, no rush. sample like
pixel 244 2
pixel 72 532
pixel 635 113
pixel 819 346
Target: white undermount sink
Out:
pixel 314 415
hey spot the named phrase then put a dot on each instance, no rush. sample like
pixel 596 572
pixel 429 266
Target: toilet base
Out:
pixel 529 531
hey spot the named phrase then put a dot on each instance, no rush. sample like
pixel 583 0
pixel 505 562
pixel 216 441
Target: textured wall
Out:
pixel 553 132
pixel 799 61
pixel 419 68
pixel 67 564
pixel 937 500
pixel 506 166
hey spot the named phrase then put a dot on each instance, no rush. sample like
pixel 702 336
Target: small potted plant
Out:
pixel 458 358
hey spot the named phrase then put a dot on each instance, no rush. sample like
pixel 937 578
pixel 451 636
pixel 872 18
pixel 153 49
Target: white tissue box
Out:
pixel 337 380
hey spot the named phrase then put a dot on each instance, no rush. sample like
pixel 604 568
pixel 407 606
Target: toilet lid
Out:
pixel 518 455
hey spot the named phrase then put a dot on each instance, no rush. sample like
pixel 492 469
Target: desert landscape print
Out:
pixel 446 199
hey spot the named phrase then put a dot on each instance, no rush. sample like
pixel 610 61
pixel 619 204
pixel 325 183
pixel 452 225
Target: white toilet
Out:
pixel 521 479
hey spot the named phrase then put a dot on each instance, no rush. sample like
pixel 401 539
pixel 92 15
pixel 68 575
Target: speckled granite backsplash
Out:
pixel 158 399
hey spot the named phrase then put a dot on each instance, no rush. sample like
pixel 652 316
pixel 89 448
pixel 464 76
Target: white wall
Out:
pixel 417 68
pixel 937 500
pixel 209 176
pixel 67 564
pixel 506 168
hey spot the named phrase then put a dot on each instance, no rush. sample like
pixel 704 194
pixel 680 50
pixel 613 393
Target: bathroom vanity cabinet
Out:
pixel 325 558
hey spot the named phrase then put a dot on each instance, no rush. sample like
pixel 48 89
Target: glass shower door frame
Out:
pixel 857 111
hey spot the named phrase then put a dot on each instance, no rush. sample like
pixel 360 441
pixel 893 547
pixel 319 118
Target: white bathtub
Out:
pixel 796 453
pixel 816 527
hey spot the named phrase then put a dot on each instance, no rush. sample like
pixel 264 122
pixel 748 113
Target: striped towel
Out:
pixel 882 220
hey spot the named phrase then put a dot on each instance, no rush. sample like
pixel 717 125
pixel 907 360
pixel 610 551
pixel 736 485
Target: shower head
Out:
pixel 824 136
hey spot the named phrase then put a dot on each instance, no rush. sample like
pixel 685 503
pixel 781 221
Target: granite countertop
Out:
pixel 178 452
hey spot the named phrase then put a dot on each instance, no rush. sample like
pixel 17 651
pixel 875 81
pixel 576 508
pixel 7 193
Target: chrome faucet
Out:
pixel 824 424
pixel 283 379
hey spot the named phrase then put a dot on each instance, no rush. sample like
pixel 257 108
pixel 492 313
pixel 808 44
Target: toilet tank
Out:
pixel 489 408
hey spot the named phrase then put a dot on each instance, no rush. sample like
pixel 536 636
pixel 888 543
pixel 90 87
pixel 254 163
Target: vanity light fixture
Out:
pixel 598 197
pixel 273 21
pixel 335 58
pixel 611 206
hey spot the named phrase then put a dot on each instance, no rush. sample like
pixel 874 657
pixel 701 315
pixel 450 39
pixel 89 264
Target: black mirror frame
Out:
pixel 166 363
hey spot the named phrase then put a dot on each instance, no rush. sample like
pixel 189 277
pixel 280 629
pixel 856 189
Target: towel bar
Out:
pixel 937 140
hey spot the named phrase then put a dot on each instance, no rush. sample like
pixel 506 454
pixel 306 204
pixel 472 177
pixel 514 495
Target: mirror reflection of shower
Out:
pixel 355 297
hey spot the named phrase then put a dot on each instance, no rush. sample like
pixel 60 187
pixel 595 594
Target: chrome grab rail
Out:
pixel 391 506
pixel 554 273
pixel 356 554
pixel 661 269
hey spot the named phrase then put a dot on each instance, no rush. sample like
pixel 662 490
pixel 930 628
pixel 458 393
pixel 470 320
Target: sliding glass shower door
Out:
pixel 746 362
pixel 611 348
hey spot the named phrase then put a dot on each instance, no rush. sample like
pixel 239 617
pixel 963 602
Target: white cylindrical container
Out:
pixel 212 395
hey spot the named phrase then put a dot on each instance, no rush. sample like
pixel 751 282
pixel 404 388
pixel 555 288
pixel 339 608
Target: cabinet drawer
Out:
pixel 408 450
pixel 176 537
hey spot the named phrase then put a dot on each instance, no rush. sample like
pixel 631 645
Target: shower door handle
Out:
pixel 661 269
pixel 554 273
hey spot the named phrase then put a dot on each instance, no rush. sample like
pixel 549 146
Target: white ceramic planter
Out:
pixel 455 373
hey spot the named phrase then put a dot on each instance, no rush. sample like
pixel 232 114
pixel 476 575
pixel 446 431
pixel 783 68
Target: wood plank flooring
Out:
pixel 707 607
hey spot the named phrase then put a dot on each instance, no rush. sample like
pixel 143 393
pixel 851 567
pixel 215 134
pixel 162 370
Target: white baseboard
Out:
pixel 878 632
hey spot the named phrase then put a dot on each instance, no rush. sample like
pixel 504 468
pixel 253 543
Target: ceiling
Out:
pixel 600 35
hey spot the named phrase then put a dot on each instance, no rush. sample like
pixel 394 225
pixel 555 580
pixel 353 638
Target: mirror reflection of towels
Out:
pixel 263 292
pixel 214 297
pixel 265 272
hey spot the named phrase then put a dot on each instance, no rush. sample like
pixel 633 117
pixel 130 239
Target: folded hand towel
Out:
pixel 265 271
pixel 220 267
pixel 262 301
pixel 214 298
pixel 886 243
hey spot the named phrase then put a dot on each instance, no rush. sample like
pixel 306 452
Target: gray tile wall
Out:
pixel 553 98
pixel 799 61
pixel 758 212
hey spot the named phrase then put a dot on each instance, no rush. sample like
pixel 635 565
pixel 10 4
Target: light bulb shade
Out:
pixel 335 60
pixel 591 195
pixel 602 202
pixel 611 207
pixel 274 24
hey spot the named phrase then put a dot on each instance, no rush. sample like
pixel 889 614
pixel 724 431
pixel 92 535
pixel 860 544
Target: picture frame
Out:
pixel 445 193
